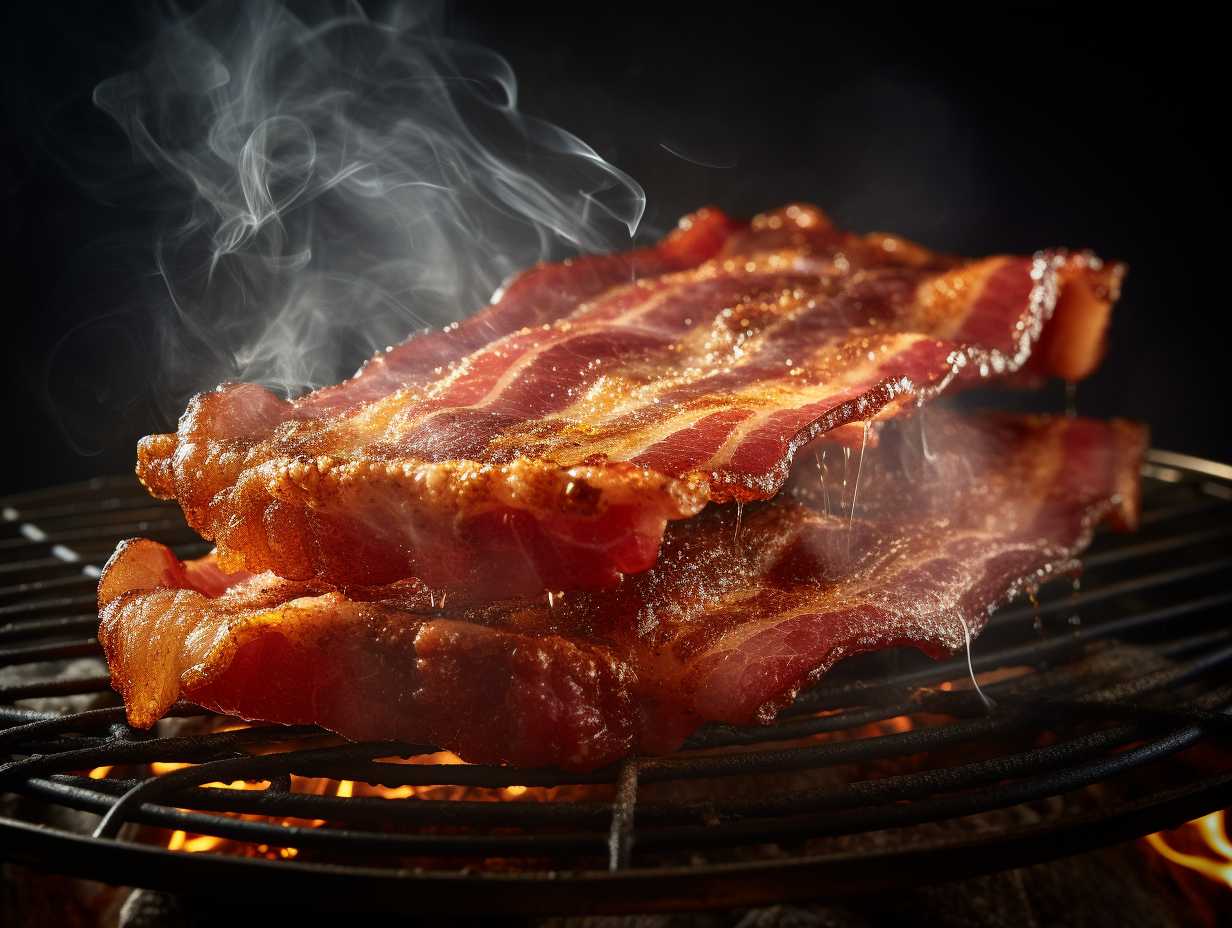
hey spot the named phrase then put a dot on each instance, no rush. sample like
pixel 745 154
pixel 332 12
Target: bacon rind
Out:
pixel 735 619
pixel 709 379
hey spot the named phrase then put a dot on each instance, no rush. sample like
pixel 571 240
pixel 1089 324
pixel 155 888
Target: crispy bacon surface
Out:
pixel 734 619
pixel 546 442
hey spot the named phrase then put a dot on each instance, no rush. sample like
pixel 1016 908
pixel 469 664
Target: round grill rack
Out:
pixel 1110 721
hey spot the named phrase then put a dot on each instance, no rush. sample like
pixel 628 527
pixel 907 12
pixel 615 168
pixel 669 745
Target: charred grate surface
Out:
pixel 1110 721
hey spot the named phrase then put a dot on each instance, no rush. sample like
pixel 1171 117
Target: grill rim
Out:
pixel 715 886
pixel 656 888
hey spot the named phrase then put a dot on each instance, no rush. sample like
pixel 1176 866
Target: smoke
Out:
pixel 335 181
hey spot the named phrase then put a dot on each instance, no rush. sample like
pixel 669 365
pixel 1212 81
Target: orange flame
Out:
pixel 318 786
pixel 1212 834
pixel 898 725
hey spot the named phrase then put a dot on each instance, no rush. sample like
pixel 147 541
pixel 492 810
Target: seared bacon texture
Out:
pixel 545 443
pixel 741 611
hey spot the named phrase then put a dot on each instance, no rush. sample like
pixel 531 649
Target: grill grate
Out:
pixel 1111 702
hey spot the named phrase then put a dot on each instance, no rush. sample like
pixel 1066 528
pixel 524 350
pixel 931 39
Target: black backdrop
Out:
pixel 1003 129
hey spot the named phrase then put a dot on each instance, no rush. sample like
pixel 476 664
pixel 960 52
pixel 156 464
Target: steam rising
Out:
pixel 341 181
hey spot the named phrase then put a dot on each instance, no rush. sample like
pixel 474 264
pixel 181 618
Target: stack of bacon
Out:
pixel 596 515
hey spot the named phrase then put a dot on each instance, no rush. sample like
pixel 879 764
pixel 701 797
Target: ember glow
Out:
pixel 1201 846
pixel 191 843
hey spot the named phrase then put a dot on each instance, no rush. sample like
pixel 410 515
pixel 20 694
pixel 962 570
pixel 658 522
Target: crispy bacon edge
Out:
pixel 390 669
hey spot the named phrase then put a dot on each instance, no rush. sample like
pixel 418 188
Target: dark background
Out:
pixel 1002 129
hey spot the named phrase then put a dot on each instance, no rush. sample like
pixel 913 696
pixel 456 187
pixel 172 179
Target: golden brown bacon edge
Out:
pixel 319 490
pixel 725 628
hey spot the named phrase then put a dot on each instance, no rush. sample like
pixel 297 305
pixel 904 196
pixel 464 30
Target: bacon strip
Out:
pixel 545 443
pixel 732 622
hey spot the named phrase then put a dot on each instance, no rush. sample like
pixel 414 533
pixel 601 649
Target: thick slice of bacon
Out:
pixel 740 613
pixel 546 442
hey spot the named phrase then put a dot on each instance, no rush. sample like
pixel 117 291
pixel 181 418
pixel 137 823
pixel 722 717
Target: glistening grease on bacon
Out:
pixel 727 626
pixel 545 443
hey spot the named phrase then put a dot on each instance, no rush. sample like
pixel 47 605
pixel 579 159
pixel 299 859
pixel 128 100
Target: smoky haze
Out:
pixel 330 182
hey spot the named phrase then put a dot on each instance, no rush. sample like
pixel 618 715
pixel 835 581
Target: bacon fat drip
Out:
pixel 547 442
pixel 727 626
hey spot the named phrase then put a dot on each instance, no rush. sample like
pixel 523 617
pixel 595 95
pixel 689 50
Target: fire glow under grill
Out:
pixel 1109 724
pixel 1211 836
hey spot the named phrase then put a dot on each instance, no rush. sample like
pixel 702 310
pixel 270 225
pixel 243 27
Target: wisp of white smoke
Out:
pixel 339 181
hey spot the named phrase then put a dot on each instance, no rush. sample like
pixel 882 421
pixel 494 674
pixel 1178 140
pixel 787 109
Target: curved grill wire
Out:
pixel 1110 681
